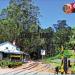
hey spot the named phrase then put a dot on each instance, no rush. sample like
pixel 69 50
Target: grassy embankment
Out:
pixel 56 60
pixel 67 53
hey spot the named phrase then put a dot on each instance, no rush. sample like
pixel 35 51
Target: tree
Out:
pixel 62 33
pixel 33 28
pixel 9 30
pixel 18 17
pixel 71 43
pixel 23 12
pixel 47 37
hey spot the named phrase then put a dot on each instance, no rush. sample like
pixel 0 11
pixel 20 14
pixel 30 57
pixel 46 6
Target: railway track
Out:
pixel 36 71
pixel 29 67
pixel 22 69
pixel 46 67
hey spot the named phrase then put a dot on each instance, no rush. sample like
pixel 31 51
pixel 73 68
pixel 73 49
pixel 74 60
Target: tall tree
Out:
pixel 23 12
pixel 62 32
pixel 18 17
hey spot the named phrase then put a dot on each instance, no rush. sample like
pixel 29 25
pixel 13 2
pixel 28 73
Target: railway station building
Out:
pixel 9 51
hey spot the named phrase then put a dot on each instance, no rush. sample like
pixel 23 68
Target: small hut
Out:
pixel 9 51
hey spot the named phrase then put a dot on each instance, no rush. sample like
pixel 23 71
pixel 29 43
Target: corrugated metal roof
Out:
pixel 7 42
pixel 17 51
pixel 20 52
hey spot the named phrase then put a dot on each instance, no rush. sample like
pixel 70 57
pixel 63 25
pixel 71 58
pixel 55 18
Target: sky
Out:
pixel 50 12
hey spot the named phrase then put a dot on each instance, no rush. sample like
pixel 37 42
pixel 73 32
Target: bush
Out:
pixel 4 63
pixel 10 64
pixel 73 69
pixel 14 64
pixel 66 53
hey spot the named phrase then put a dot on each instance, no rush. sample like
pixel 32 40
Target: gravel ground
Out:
pixel 31 68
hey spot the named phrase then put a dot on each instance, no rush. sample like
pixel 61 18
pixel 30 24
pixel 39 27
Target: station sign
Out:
pixel 43 52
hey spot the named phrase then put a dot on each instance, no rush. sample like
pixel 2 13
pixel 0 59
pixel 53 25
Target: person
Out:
pixel 62 67
pixel 69 63
pixel 57 70
pixel 62 70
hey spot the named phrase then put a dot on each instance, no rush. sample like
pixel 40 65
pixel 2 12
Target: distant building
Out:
pixel 11 51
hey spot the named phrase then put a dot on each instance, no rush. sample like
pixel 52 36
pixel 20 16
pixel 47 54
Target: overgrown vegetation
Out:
pixel 73 69
pixel 10 64
pixel 66 53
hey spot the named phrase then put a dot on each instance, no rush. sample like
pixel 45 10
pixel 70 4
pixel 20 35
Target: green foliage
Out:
pixel 4 63
pixel 21 16
pixel 71 43
pixel 55 62
pixel 33 28
pixel 63 32
pixel 73 69
pixel 10 64
pixel 14 64
pixel 16 18
pixel 67 53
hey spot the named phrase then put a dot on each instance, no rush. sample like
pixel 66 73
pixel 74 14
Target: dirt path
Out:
pixel 31 67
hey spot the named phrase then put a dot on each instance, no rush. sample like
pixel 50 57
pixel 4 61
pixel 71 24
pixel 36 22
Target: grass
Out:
pixel 53 60
pixel 5 63
pixel 73 69
pixel 67 53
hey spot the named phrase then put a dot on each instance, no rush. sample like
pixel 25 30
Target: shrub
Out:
pixel 4 63
pixel 14 64
pixel 10 64
pixel 73 69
